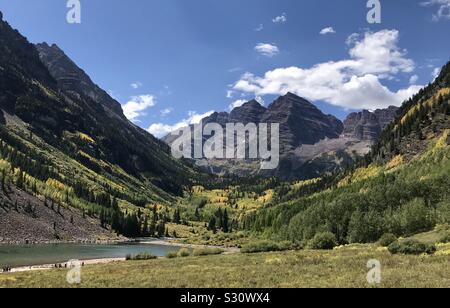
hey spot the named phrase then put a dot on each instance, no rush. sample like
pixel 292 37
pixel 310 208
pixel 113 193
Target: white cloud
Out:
pixel 160 130
pixel 282 19
pixel 165 112
pixel 379 53
pixel 136 85
pixel 237 104
pixel 137 105
pixel 367 92
pixel 353 38
pixel 234 69
pixel 350 83
pixel 328 30
pixel 259 28
pixel 230 94
pixel 443 8
pixel 267 50
pixel 413 79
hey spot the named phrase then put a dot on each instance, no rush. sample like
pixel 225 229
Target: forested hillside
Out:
pixel 403 187
pixel 69 144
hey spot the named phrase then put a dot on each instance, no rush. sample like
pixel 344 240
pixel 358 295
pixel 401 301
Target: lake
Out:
pixel 40 254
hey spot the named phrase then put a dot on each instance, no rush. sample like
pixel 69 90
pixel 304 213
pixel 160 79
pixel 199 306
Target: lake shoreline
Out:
pixel 145 241
pixel 64 265
pixel 80 241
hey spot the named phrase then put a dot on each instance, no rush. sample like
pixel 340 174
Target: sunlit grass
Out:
pixel 344 267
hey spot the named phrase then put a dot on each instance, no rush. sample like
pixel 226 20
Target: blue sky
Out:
pixel 171 61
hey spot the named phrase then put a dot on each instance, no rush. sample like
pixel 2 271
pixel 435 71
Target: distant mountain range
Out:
pixel 311 143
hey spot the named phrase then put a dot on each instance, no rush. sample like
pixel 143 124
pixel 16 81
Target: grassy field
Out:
pixel 342 267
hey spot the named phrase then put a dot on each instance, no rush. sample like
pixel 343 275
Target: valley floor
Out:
pixel 342 267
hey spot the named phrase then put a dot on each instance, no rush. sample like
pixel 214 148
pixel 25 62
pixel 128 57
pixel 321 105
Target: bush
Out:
pixel 323 241
pixel 442 228
pixel 266 246
pixel 445 239
pixel 387 239
pixel 411 247
pixel 286 245
pixel 207 251
pixel 171 255
pixel 141 257
pixel 183 253
pixel 415 217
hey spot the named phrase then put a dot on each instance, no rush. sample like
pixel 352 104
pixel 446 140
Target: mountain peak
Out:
pixel 251 106
pixel 301 122
pixel 252 103
pixel 52 46
pixel 250 112
pixel 293 103
pixel 295 97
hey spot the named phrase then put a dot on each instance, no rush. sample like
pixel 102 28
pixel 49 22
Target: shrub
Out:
pixel 286 245
pixel 171 255
pixel 442 228
pixel 387 239
pixel 260 246
pixel 207 251
pixel 141 257
pixel 415 217
pixel 445 239
pixel 266 246
pixel 411 247
pixel 323 241
pixel 183 253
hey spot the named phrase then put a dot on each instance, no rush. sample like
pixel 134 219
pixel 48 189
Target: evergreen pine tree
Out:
pixel 225 222
pixel 176 216
pixel 152 228
pixel 161 229
pixel 212 225
pixel 145 232
pixel 20 180
pixel 197 214
pixel 3 180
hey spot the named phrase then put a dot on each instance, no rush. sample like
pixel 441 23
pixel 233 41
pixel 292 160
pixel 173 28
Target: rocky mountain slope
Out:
pixel 366 125
pixel 24 218
pixel 311 143
pixel 418 121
